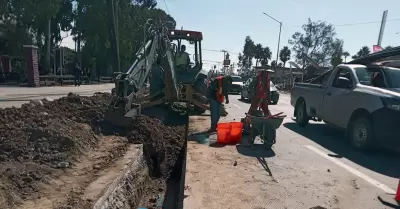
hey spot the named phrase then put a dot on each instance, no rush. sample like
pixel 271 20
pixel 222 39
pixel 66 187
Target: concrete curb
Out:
pixel 127 189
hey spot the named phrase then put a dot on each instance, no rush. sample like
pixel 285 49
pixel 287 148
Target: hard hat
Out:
pixel 262 69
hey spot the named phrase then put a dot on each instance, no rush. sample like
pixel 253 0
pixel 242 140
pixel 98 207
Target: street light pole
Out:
pixel 279 38
pixel 223 67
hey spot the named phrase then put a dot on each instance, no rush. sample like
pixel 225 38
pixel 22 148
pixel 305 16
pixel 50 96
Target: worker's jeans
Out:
pixel 215 108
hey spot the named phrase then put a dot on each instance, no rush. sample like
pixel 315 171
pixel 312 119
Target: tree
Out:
pixel 248 52
pixel 27 22
pixel 362 52
pixel 265 56
pixel 99 39
pixel 337 52
pixel 314 44
pixel 284 55
pixel 258 53
pixel 240 60
pixel 346 54
pixel 388 47
pixel 273 64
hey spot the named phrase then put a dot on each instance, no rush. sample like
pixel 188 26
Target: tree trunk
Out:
pixel 48 47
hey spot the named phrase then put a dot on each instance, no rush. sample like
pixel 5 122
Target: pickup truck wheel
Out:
pixel 361 133
pixel 301 114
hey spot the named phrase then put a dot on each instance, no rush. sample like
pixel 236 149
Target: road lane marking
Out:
pixel 354 171
pixel 237 106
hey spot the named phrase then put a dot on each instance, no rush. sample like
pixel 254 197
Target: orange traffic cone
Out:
pixel 397 197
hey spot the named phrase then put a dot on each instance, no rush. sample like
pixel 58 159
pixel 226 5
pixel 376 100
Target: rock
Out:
pixel 36 102
pixel 44 113
pixel 48 99
pixel 62 165
pixel 235 163
pixel 70 94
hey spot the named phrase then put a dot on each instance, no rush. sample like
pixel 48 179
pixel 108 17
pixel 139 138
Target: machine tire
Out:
pixel 361 125
pixel 301 114
pixel 241 96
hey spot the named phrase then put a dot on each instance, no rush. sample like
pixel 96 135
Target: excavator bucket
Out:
pixel 117 115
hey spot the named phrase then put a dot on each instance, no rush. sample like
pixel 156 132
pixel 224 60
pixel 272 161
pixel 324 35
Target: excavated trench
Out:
pixel 62 154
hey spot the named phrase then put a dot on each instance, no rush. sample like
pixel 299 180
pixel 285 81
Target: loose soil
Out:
pixel 50 151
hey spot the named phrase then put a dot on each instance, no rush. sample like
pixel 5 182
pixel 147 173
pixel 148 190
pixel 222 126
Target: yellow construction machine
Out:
pixel 155 63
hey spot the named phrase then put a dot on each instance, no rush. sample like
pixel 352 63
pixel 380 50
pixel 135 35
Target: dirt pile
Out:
pixel 41 137
pixel 39 140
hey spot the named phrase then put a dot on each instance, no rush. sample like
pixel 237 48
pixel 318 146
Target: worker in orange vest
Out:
pixel 218 91
pixel 260 87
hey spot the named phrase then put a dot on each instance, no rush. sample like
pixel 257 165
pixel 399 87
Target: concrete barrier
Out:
pixel 127 189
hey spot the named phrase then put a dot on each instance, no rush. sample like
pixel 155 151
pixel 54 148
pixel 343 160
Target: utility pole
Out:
pixel 114 7
pixel 279 41
pixel 279 38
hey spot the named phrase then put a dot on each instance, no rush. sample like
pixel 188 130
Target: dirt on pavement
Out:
pixel 51 150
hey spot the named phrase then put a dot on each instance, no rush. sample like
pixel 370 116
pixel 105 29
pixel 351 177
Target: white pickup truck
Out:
pixel 364 101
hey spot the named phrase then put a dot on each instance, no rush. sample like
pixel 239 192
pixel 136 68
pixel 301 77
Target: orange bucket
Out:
pixel 223 133
pixel 223 126
pixel 236 132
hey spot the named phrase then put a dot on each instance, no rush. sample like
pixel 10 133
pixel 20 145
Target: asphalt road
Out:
pixel 319 147
pixel 307 166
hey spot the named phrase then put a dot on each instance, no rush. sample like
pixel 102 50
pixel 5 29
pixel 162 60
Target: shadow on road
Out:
pixel 256 150
pixel 264 164
pixel 249 102
pixel 391 203
pixel 382 161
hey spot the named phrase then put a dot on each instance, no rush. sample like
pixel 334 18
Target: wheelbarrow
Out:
pixel 262 126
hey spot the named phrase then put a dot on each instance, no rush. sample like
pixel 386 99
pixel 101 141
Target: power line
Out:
pixel 351 24
pixel 166 6
pixel 214 50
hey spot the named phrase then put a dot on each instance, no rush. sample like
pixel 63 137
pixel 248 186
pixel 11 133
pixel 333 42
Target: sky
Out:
pixel 226 23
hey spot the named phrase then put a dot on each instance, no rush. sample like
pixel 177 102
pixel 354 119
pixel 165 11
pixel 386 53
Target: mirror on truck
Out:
pixel 344 83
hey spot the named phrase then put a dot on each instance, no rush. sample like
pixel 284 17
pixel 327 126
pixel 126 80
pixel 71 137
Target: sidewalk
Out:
pixel 16 96
pixel 15 92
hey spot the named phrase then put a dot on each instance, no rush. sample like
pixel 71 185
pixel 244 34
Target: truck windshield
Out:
pixel 384 77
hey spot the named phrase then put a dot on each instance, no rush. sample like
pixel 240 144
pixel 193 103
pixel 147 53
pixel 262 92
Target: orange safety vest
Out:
pixel 262 86
pixel 220 95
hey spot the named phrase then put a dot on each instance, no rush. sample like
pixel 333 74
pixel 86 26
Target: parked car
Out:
pixel 363 100
pixel 237 84
pixel 274 92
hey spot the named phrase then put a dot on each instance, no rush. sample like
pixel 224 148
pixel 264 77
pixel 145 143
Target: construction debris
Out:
pixel 43 138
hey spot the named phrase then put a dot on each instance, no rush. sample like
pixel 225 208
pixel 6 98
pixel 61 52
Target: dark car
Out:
pixel 237 84
pixel 274 93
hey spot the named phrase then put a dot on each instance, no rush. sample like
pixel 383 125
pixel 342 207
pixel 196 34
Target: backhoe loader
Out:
pixel 155 62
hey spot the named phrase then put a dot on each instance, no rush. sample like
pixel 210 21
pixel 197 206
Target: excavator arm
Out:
pixel 156 50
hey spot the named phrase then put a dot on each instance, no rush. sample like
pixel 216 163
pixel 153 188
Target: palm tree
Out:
pixel 346 54
pixel 258 53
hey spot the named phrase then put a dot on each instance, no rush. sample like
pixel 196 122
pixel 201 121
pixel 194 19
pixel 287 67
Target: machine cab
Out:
pixel 192 41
